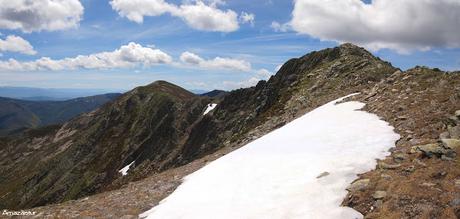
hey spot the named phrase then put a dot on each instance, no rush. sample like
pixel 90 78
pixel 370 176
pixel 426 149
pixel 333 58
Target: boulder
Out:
pixel 399 157
pixel 444 135
pixel 431 150
pixel 379 195
pixel 454 131
pixel 358 185
pixel 457 113
pixel 451 143
pixel 383 165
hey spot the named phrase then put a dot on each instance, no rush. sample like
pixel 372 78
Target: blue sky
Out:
pixel 102 28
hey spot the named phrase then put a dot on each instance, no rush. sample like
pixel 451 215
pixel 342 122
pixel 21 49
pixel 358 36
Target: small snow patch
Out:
pixel 124 170
pixel 209 108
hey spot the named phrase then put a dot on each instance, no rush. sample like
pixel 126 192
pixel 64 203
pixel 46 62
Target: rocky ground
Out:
pixel 421 178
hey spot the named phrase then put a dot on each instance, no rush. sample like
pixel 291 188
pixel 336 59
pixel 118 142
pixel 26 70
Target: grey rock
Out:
pixel 450 143
pixel 399 157
pixel 383 165
pixel 455 202
pixel 454 131
pixel 386 176
pixel 378 203
pixel 379 195
pixel 446 158
pixel 457 113
pixel 430 150
pixel 425 184
pixel 410 169
pixel 323 175
pixel 444 135
pixel 419 162
pixel 358 185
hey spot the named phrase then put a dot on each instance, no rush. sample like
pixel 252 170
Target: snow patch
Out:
pixel 275 176
pixel 124 170
pixel 209 108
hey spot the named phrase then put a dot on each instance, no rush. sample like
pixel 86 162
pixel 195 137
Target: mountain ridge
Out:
pixel 19 115
pixel 168 136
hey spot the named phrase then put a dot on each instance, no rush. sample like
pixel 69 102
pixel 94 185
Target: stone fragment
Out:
pixel 323 175
pixel 358 185
pixel 379 195
pixel 383 165
pixel 399 157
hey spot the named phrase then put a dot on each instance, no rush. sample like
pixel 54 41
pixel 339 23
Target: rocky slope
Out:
pixel 19 115
pixel 162 129
pixel 421 179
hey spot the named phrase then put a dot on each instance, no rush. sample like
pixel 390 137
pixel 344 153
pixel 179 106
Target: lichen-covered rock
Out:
pixel 359 185
pixel 431 150
pixel 451 143
pixel 379 195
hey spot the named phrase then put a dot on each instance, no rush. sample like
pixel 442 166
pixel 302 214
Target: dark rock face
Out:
pixel 162 126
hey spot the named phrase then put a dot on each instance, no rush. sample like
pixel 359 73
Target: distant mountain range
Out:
pixel 55 94
pixel 18 115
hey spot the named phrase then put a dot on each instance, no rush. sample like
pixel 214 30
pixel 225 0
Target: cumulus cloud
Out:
pixel 403 26
pixel 17 44
pixel 197 14
pixel 37 15
pixel 126 56
pixel 192 59
pixel 247 18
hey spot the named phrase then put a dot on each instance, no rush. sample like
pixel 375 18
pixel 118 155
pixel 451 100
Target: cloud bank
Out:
pixel 38 15
pixel 403 25
pixel 192 59
pixel 130 55
pixel 196 14
pixel 17 44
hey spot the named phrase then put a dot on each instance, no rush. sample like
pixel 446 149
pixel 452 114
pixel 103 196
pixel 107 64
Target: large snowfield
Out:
pixel 275 176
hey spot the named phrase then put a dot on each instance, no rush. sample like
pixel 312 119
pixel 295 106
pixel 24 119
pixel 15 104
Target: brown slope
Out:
pixel 83 156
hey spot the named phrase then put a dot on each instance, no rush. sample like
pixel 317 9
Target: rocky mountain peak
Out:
pixel 163 87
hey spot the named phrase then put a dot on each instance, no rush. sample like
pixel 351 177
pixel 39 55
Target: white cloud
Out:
pixel 216 63
pixel 264 74
pixel 247 18
pixel 277 27
pixel 230 85
pixel 197 14
pixel 261 74
pixel 126 56
pixel 16 44
pixel 399 25
pixel 37 15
